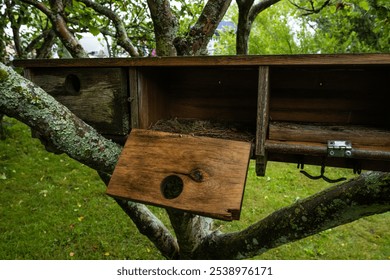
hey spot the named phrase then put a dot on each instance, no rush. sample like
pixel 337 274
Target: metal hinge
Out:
pixel 339 148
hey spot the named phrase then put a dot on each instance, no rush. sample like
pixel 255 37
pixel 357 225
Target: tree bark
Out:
pixel 165 27
pixel 201 33
pixel 365 195
pixel 247 13
pixel 190 230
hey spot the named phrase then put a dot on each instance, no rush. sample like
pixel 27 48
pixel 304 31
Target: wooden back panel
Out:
pixel 354 95
pixel 223 94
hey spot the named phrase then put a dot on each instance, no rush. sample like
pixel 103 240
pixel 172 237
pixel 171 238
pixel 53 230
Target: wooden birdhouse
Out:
pixel 193 123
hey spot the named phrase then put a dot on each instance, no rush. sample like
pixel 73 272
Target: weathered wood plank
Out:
pixel 98 96
pixel 212 171
pixel 320 149
pixel 262 120
pixel 247 60
pixel 134 97
pixel 357 135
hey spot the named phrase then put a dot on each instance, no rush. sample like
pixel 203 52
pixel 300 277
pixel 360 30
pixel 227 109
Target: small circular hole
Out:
pixel 72 84
pixel 172 186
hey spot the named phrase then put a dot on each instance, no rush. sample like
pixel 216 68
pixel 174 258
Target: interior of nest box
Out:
pixel 220 101
pixel 331 95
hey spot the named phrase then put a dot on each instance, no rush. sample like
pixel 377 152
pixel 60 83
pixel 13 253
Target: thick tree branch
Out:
pixel 366 195
pixel 190 230
pixel 247 13
pixel 151 227
pixel 121 34
pixel 165 26
pixel 203 30
pixel 60 26
pixel 21 99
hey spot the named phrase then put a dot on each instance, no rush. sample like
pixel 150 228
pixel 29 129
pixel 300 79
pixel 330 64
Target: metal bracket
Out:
pixel 339 148
pixel 321 176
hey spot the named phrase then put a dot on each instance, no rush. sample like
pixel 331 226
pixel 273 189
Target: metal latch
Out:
pixel 338 148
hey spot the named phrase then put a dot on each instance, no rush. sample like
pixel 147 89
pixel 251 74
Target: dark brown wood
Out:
pixel 262 120
pixel 357 135
pixel 134 97
pixel 286 98
pixel 197 93
pixel 213 172
pixel 352 95
pixel 318 149
pixel 98 96
pixel 247 60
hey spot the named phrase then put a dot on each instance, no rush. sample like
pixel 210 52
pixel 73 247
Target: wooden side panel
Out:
pixel 134 97
pixel 262 120
pixel 96 95
pixel 152 97
pixel 212 171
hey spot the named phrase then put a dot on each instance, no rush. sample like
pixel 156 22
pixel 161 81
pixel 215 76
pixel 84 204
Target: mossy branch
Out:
pixel 366 195
pixel 23 100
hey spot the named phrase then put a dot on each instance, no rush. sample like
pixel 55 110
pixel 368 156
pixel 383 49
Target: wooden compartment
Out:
pixel 217 94
pixel 96 95
pixel 309 106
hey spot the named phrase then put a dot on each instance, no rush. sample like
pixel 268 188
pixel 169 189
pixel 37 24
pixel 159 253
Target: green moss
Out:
pixel 18 89
pixel 3 75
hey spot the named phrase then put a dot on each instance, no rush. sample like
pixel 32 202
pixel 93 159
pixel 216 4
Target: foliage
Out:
pixel 339 27
pixel 347 27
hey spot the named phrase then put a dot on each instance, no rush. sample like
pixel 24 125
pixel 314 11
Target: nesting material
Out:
pixel 214 129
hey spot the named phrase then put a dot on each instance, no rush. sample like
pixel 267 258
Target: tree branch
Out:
pixel 15 26
pixel 247 13
pixel 21 99
pixel 190 230
pixel 121 34
pixel 60 26
pixel 366 195
pixel 165 26
pixel 312 9
pixel 203 30
pixel 259 7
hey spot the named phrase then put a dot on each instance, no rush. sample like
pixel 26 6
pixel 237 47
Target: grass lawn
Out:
pixel 52 207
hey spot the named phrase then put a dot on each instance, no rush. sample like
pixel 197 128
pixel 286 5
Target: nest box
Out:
pixel 326 110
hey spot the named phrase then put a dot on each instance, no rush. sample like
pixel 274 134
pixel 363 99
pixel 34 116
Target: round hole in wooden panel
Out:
pixel 72 84
pixel 172 186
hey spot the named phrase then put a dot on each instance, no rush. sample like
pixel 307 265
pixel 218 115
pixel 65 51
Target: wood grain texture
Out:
pixel 98 96
pixel 342 95
pixel 255 60
pixel 357 135
pixel 213 172
pixel 262 120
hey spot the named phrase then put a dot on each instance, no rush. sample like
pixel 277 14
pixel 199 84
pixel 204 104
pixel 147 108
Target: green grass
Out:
pixel 52 207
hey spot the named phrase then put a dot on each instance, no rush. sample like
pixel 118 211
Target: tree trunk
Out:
pixel 165 27
pixel 201 33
